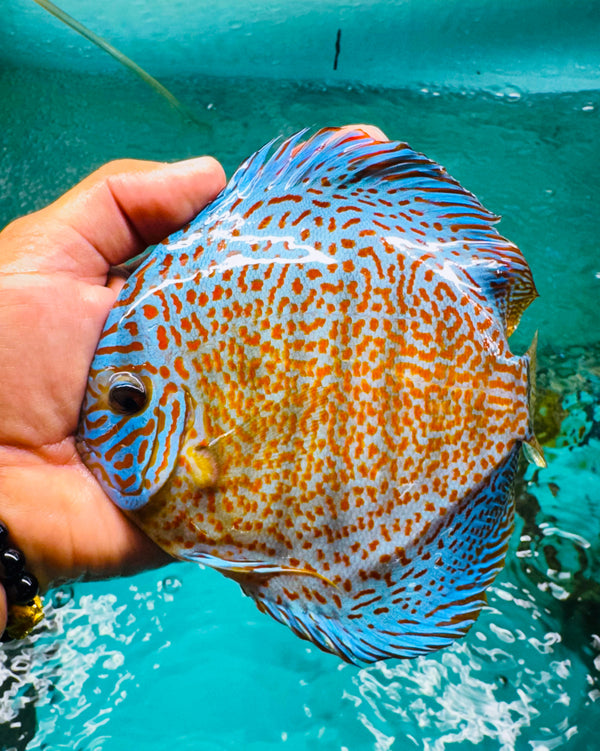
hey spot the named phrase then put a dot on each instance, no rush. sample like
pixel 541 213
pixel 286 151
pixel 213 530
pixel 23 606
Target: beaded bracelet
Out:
pixel 24 607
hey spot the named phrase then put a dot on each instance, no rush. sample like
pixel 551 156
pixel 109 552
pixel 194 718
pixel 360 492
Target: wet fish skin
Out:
pixel 310 389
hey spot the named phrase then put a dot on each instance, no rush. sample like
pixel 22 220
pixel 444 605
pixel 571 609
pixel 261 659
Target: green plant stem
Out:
pixel 121 58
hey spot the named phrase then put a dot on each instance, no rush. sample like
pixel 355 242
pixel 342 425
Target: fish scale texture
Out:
pixel 333 415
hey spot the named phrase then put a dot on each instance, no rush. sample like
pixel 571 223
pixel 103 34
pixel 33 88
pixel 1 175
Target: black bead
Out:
pixel 13 561
pixel 23 589
pixel 3 536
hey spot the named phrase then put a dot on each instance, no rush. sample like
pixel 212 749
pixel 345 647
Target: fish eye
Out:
pixel 127 394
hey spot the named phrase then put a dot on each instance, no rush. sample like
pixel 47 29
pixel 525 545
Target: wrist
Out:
pixel 2 610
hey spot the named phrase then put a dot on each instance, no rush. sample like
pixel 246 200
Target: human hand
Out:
pixel 55 294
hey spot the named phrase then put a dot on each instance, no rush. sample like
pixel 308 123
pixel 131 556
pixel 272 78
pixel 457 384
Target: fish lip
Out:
pixel 86 454
pixel 80 442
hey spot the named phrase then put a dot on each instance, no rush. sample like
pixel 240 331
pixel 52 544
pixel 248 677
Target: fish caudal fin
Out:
pixel 531 446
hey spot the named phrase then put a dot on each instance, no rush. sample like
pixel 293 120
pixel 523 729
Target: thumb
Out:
pixel 113 214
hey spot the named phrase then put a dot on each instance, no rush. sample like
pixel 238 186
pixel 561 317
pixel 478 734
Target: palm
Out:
pixel 53 303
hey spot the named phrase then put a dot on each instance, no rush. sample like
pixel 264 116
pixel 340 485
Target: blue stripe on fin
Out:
pixel 391 186
pixel 452 578
pixel 346 163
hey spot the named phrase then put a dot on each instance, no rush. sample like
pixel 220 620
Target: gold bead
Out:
pixel 21 619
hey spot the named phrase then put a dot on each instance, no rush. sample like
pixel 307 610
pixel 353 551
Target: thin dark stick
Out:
pixel 337 48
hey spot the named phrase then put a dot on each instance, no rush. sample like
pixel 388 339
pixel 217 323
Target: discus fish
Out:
pixel 309 388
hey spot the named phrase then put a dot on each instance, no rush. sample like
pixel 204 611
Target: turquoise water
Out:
pixel 178 658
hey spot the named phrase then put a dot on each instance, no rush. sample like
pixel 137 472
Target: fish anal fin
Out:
pixel 310 612
pixel 405 607
pixel 415 606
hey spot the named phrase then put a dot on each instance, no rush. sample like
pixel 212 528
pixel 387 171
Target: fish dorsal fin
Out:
pixel 393 187
pixel 500 273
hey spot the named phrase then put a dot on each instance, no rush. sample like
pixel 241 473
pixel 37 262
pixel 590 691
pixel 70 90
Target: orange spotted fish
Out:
pixel 309 388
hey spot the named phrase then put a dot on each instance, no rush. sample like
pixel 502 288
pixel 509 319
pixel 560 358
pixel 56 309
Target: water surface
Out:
pixel 179 658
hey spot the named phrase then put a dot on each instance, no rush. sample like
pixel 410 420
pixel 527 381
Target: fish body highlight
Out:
pixel 310 389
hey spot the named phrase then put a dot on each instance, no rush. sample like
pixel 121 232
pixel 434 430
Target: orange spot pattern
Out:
pixel 361 416
pixel 352 396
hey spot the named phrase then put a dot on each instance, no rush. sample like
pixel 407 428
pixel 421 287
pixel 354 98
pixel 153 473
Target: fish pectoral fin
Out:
pixel 202 465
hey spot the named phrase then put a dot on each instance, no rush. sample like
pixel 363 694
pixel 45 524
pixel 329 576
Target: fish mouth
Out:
pixel 94 465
